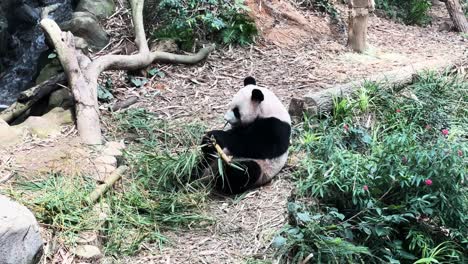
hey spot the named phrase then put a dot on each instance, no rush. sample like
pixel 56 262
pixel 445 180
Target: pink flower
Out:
pixel 445 132
pixel 404 160
pixel 460 153
pixel 365 187
pixel 428 182
pixel 398 110
pixel 346 127
pixel 428 127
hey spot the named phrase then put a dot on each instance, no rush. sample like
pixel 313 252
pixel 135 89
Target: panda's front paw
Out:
pixel 217 135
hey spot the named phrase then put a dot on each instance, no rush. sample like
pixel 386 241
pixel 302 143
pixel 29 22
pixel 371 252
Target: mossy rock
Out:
pixel 100 8
pixel 86 26
pixel 51 69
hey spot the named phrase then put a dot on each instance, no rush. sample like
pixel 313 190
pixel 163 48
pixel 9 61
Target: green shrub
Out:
pixel 412 12
pixel 189 21
pixel 384 178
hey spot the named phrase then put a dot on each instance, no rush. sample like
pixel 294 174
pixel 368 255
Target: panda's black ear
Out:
pixel 249 80
pixel 257 95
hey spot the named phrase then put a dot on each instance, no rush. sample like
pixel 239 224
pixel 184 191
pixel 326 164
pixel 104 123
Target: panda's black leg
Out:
pixel 235 180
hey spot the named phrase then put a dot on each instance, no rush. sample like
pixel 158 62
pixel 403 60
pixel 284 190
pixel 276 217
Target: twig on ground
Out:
pixel 101 189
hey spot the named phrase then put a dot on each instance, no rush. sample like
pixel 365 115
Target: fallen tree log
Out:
pixel 124 104
pixel 321 102
pixel 31 96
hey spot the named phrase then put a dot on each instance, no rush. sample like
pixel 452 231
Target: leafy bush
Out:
pixel 188 21
pixel 412 12
pixel 384 178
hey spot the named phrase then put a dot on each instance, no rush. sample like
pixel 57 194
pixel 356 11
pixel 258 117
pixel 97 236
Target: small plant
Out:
pixel 209 20
pixel 394 192
pixel 412 12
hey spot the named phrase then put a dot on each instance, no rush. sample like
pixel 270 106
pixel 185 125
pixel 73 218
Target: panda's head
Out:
pixel 253 102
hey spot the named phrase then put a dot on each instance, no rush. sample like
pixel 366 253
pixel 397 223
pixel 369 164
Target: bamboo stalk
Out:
pixel 102 188
pixel 222 154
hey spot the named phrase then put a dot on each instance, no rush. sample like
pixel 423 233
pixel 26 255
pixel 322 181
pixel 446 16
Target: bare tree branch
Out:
pixel 84 90
pixel 83 77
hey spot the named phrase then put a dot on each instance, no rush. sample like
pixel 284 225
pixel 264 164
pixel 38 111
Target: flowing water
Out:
pixel 26 43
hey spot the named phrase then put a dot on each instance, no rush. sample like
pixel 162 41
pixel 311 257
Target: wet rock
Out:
pixel 27 14
pixel 26 44
pixel 86 26
pixel 100 8
pixel 20 239
pixel 4 36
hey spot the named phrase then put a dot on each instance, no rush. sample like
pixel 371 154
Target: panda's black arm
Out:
pixel 262 139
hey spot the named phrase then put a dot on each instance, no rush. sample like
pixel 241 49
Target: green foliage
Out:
pixel 393 191
pixel 165 152
pixel 103 92
pixel 188 21
pixel 411 12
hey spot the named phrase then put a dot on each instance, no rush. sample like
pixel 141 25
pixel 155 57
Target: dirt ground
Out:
pixel 298 53
pixel 291 60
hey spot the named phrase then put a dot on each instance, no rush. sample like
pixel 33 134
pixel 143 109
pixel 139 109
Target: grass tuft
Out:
pixel 157 195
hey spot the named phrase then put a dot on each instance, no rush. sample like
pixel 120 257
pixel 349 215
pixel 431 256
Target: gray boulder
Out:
pixel 20 240
pixel 100 8
pixel 85 25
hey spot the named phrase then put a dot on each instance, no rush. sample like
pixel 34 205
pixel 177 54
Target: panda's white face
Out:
pixel 245 106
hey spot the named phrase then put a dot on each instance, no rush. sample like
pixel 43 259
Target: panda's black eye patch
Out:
pixel 236 112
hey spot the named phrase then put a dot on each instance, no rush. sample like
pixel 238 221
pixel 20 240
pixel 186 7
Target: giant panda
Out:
pixel 257 139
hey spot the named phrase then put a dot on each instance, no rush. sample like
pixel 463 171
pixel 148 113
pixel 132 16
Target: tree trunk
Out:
pixel 357 26
pixel 456 13
pixel 321 102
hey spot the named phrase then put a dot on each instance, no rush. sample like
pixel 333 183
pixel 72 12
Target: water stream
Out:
pixel 25 44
